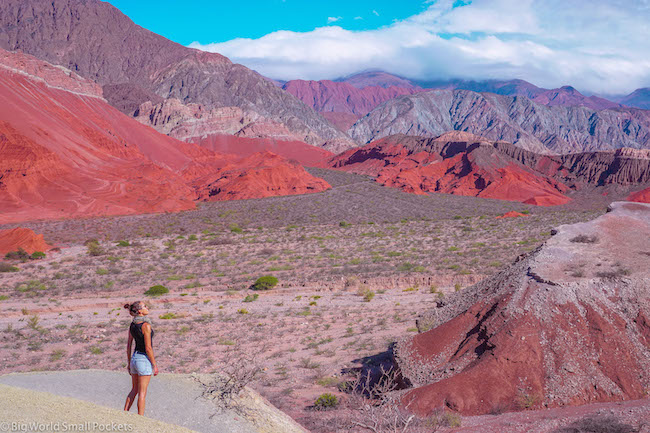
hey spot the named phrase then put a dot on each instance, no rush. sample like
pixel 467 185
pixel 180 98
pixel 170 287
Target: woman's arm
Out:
pixel 146 330
pixel 129 351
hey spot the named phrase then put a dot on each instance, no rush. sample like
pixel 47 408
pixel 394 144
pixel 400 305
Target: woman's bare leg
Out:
pixel 143 383
pixel 134 391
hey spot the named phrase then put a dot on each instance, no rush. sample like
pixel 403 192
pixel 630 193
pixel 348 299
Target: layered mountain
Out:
pixel 565 325
pixel 67 153
pixel 454 163
pixel 134 65
pixel 465 164
pixel 518 120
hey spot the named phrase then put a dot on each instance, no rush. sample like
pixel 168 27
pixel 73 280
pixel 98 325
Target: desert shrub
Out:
pixel 326 401
pixel 368 295
pixel 234 228
pixel 6 267
pixel 242 311
pixel 251 298
pixel 156 290
pixel 20 254
pixel 584 239
pixel 167 316
pixel 265 283
pixel 344 224
pixel 37 255
pixel 101 271
pixel 94 248
pixel 4 297
pixel 123 244
pixel 192 238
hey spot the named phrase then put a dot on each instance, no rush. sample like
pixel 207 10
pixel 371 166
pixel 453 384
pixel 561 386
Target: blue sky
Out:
pixel 597 46
pixel 208 21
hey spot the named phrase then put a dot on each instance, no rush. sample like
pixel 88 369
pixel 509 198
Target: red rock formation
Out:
pixel 14 239
pixel 365 79
pixel 454 163
pixel 298 151
pixel 512 214
pixel 540 333
pixel 642 196
pixel 260 175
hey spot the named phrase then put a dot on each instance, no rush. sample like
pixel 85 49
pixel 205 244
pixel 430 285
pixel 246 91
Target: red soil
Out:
pixel 512 214
pixel 258 176
pixel 13 239
pixel 477 170
pixel 303 153
pixel 342 121
pixel 642 196
pixel 539 334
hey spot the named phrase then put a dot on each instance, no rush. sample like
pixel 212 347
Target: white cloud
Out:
pixel 375 12
pixel 595 45
pixel 333 19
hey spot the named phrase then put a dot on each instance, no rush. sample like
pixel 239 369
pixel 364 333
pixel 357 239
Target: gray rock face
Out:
pixel 98 42
pixel 517 120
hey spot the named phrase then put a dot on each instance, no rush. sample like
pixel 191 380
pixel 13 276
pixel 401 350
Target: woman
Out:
pixel 142 364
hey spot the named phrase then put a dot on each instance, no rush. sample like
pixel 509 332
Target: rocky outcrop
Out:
pixel 567 324
pixel 517 120
pixel 21 238
pixel 454 163
pixel 258 176
pixel 95 40
pixel 329 96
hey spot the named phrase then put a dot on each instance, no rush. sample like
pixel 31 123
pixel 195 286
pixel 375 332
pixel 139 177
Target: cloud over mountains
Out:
pixel 596 45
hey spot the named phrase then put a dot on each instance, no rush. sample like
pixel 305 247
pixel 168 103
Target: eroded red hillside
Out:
pixel 566 325
pixel 15 239
pixel 642 196
pixel 67 153
pixel 260 175
pixel 454 163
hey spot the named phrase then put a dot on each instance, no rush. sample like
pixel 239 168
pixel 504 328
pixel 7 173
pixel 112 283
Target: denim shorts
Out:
pixel 140 364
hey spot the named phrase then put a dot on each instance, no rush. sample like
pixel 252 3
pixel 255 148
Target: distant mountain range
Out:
pixel 515 119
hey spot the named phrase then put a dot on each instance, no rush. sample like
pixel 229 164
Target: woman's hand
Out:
pixel 155 370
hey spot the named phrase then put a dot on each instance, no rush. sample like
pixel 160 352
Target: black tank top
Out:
pixel 138 336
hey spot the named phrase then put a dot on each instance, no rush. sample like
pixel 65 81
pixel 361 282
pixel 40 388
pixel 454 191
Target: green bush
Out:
pixel 167 316
pixel 251 298
pixel 17 255
pixel 123 244
pixel 326 401
pixel 37 255
pixel 265 283
pixel 235 228
pixel 156 290
pixel 6 267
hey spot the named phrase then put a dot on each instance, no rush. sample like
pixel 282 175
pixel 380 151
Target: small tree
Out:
pixel 265 283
